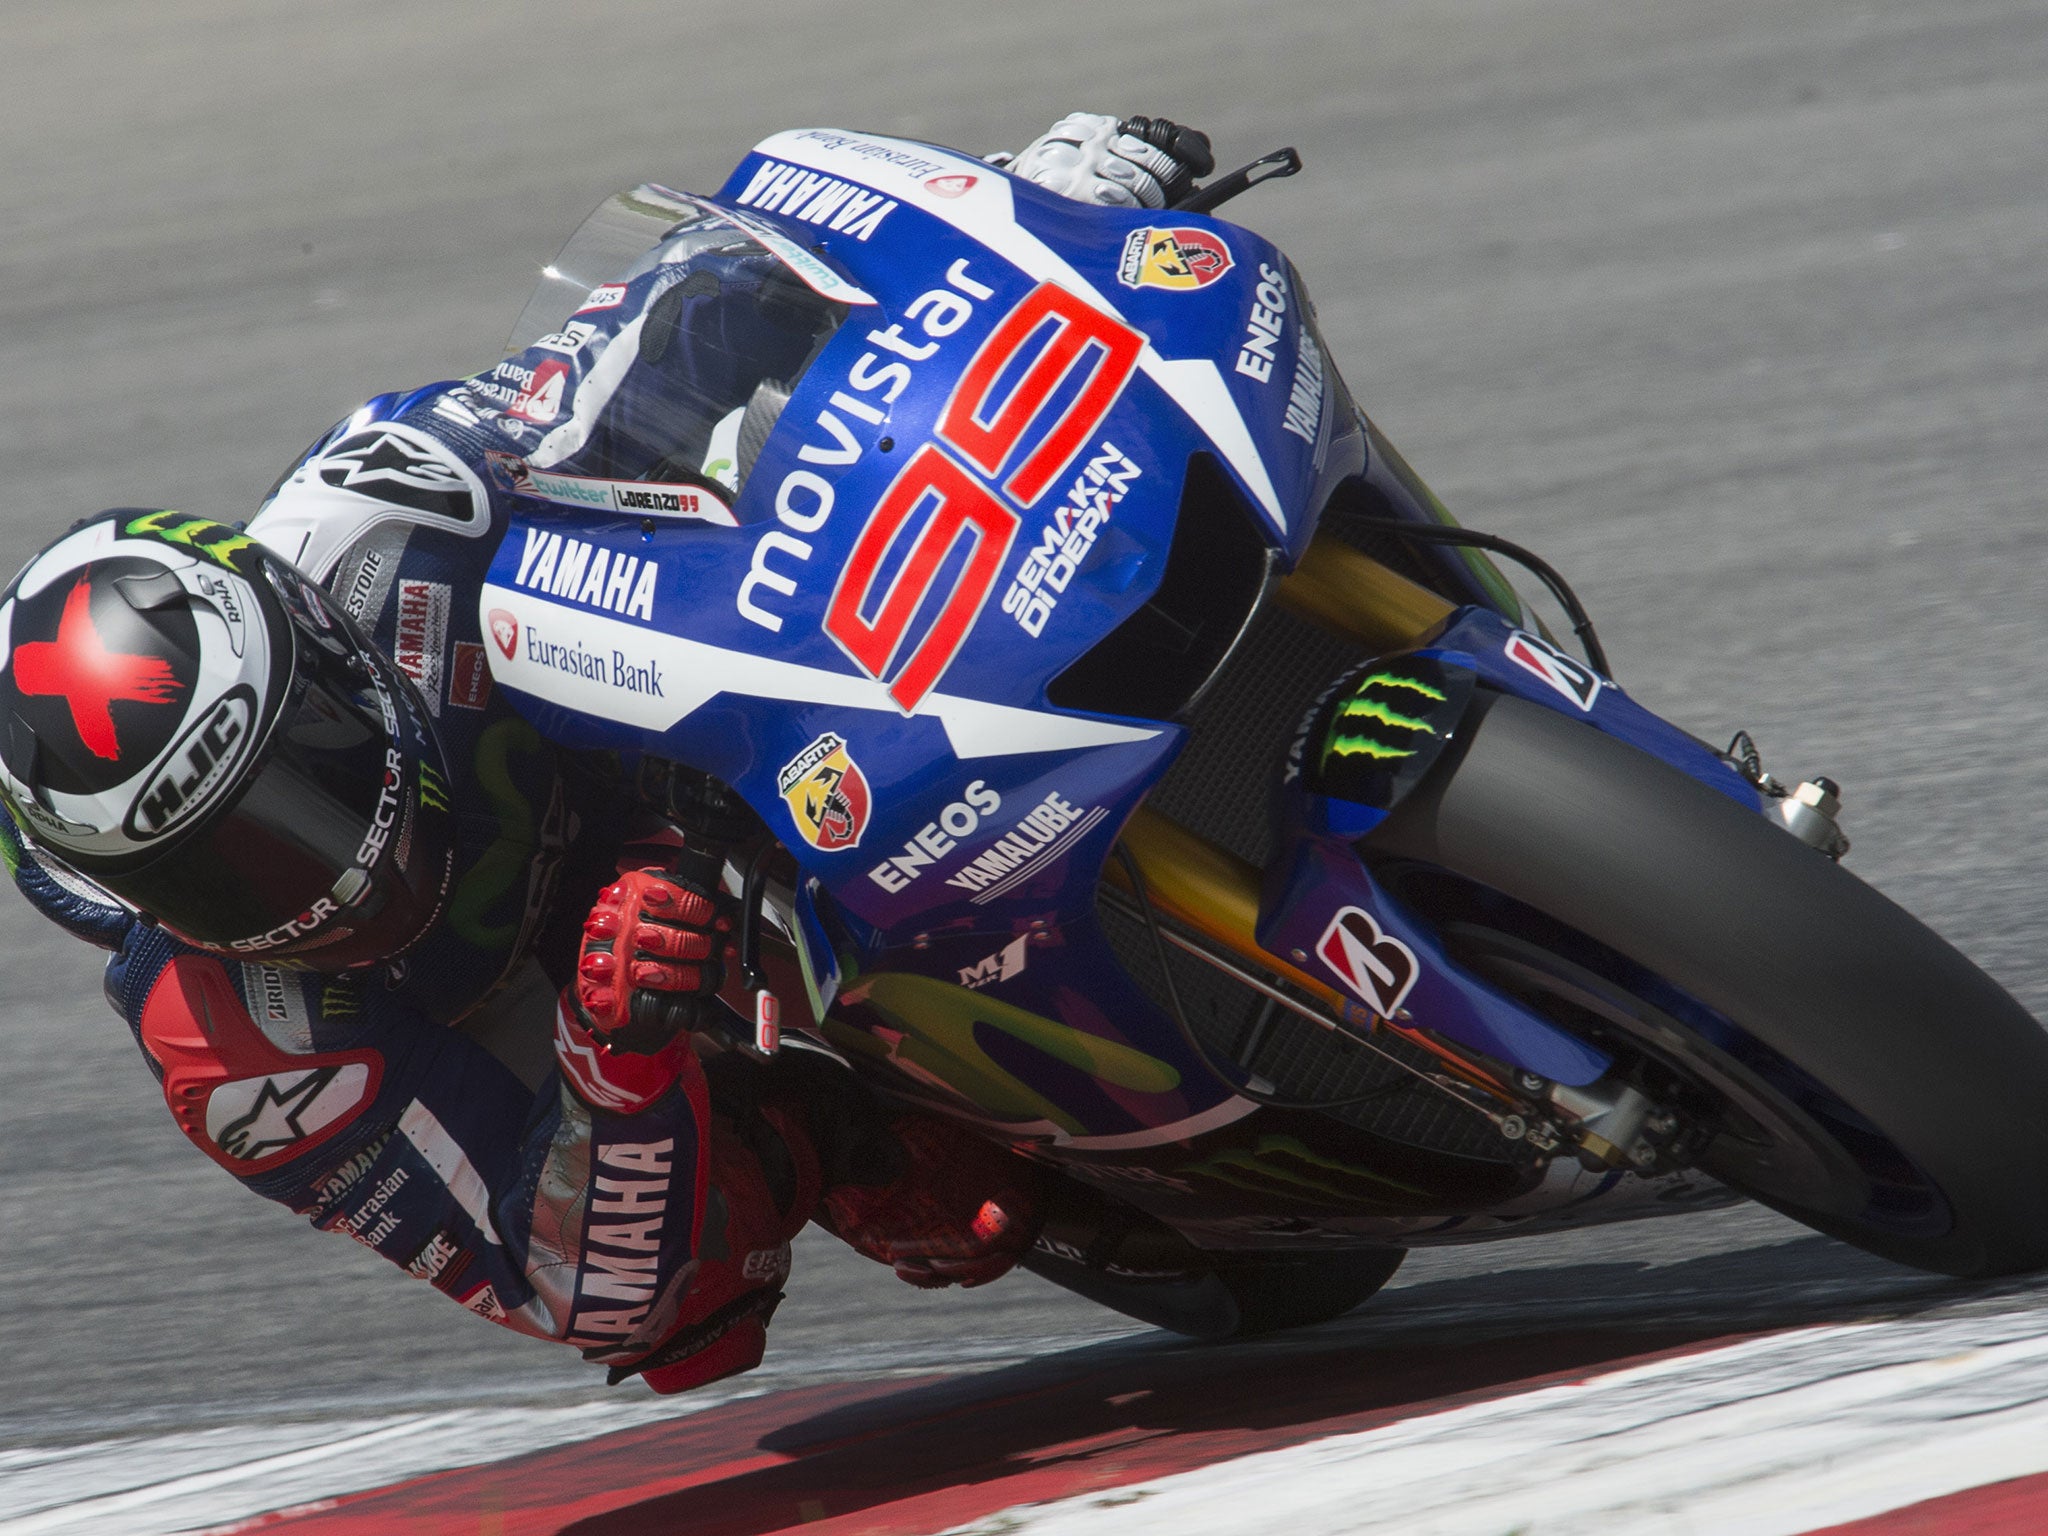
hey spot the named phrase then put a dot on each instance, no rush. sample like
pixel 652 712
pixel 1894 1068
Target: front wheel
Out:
pixel 1854 1070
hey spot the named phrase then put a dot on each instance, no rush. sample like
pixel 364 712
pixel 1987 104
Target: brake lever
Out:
pixel 1282 162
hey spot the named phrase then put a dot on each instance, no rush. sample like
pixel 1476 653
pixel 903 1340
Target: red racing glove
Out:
pixel 651 959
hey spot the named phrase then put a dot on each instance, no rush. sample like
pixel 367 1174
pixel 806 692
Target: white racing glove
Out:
pixel 1093 158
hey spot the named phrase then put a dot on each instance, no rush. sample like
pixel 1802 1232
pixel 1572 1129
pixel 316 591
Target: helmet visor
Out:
pixel 337 848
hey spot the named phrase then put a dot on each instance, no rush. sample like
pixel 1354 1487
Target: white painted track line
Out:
pixel 1769 1437
pixel 205 1476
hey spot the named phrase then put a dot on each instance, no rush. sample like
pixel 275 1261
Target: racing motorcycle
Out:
pixel 1111 742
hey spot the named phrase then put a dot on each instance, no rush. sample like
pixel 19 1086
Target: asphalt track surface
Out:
pixel 1737 311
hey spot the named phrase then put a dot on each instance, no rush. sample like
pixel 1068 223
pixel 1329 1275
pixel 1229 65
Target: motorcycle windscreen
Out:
pixel 619 232
pixel 328 852
pixel 725 329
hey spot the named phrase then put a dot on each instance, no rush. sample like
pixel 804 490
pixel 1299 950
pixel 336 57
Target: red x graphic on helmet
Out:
pixel 78 666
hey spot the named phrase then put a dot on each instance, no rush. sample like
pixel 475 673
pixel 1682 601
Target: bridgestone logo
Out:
pixel 275 1007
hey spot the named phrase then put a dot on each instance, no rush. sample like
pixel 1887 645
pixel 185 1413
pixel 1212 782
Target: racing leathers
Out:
pixel 535 1192
pixel 583 1195
pixel 629 1203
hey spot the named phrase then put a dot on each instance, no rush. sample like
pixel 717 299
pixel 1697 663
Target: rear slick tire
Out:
pixel 1234 1296
pixel 1921 1048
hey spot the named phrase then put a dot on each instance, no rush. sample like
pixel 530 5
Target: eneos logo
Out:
pixel 826 793
pixel 1172 258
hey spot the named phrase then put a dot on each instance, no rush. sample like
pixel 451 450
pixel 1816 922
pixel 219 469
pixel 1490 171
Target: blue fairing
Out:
pixel 976 479
pixel 729 665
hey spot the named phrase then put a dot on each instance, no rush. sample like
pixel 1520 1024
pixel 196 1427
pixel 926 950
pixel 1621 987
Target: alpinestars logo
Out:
pixel 1378 968
pixel 1552 667
pixel 393 465
pixel 78 667
pixel 282 1110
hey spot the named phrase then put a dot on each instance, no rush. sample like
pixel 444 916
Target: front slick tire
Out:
pixel 1904 1059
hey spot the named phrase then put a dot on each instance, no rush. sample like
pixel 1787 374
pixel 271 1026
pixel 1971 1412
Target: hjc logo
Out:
pixel 207 750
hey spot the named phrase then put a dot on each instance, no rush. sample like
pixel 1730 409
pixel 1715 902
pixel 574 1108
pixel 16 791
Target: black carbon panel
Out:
pixel 1303 1061
pixel 1221 786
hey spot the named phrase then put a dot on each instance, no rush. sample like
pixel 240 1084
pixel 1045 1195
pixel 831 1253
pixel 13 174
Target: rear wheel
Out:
pixel 1844 1063
pixel 1232 1296
pixel 1112 1254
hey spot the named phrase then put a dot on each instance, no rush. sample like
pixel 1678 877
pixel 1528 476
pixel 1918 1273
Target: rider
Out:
pixel 336 854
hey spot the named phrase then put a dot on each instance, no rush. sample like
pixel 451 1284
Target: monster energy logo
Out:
pixel 216 541
pixel 1353 730
pixel 433 788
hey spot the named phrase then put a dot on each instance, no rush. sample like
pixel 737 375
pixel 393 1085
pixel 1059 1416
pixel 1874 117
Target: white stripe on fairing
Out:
pixel 697 673
pixel 1770 1437
pixel 986 212
pixel 1229 1111
pixel 451 1164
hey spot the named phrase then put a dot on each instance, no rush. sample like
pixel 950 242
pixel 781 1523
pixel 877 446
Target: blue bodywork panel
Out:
pixel 976 479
